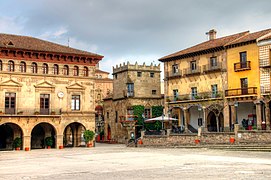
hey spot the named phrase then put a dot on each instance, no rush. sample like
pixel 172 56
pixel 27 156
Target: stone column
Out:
pixel 226 117
pixel 267 116
pixel 233 115
pixel 27 142
pixel 59 141
pixel 186 114
pixel 75 137
pixel 179 115
pixel 204 123
pixel 259 115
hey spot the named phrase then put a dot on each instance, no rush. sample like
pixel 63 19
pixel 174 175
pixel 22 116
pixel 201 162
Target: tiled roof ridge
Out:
pixel 205 42
pixel 101 71
pixel 264 37
pixel 6 38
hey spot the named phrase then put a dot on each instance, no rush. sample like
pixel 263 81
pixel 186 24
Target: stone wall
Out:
pixel 255 137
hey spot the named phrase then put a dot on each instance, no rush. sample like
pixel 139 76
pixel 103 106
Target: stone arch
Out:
pixel 39 132
pixel 73 135
pixel 8 132
pixel 215 118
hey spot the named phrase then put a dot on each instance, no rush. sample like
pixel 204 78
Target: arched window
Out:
pixel 75 71
pixel 66 70
pixel 56 69
pixel 34 67
pixel 22 66
pixel 1 65
pixel 10 66
pixel 45 68
pixel 85 71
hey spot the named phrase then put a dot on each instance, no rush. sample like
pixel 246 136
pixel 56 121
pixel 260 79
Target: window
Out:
pixel 243 59
pixel 175 93
pixel 130 113
pixel 66 70
pixel 10 103
pixel 147 113
pixel 1 65
pixel 194 92
pixel 45 68
pixel 44 103
pixel 244 85
pixel 153 92
pixel 117 116
pixel 56 69
pixel 175 69
pixel 85 71
pixel 139 74
pixel 116 76
pixel 193 65
pixel 213 61
pixel 34 67
pixel 214 90
pixel 130 90
pixel 10 66
pixel 75 71
pixel 151 74
pixel 107 115
pixel 22 67
pixel 75 102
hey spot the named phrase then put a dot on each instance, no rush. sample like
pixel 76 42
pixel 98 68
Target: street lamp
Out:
pixel 236 118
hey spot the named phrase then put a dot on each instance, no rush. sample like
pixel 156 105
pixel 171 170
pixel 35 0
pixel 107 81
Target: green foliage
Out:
pixel 49 141
pixel 138 111
pixel 156 112
pixel 88 135
pixel 17 142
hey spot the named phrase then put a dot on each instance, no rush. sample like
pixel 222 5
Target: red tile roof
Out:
pixel 31 43
pixel 250 37
pixel 100 71
pixel 211 44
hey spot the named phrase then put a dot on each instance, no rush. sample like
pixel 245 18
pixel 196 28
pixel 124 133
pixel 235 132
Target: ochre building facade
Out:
pixel 46 90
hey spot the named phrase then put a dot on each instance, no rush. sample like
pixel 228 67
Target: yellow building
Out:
pixel 243 91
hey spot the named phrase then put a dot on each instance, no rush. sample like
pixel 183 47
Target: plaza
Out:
pixel 116 161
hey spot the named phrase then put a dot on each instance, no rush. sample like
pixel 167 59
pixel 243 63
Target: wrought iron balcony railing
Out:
pixel 198 96
pixel 242 66
pixel 212 68
pixel 190 72
pixel 241 91
pixel 29 112
pixel 265 89
pixel 173 75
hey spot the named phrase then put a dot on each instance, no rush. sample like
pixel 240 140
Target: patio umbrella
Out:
pixel 161 119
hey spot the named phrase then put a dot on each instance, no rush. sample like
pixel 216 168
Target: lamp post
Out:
pixel 236 118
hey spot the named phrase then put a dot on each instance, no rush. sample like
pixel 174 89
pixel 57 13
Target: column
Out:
pixel 59 141
pixel 267 115
pixel 226 117
pixel 204 123
pixel 233 114
pixel 186 111
pixel 259 115
pixel 27 142
pixel 179 115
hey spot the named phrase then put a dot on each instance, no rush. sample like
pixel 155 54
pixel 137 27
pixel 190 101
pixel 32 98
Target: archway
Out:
pixel 108 132
pixel 212 122
pixel 39 133
pixel 73 135
pixel 8 132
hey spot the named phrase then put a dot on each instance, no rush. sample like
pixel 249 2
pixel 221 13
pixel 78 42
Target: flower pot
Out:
pixel 26 148
pixel 197 141
pixel 89 145
pixel 48 147
pixel 61 147
pixel 17 148
pixel 232 140
pixel 140 141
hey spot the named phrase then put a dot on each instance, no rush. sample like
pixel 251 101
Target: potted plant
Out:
pixel 17 143
pixel 53 112
pixel 88 136
pixel 20 112
pixel 36 112
pixel 49 142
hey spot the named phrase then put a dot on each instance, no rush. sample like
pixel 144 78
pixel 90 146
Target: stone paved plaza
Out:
pixel 119 162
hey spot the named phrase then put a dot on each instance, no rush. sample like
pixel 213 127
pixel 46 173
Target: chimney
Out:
pixel 212 34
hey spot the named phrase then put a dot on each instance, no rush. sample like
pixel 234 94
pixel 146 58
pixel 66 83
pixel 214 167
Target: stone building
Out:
pixel 46 90
pixel 132 85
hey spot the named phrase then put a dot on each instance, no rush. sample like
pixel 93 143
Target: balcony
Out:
pixel 242 66
pixel 241 91
pixel 194 72
pixel 194 97
pixel 208 68
pixel 28 112
pixel 172 75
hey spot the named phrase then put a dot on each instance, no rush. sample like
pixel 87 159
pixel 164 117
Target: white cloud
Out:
pixel 11 25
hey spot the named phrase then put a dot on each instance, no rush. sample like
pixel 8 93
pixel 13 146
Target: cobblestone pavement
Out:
pixel 119 162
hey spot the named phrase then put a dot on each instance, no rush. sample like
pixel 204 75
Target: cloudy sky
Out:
pixel 131 30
